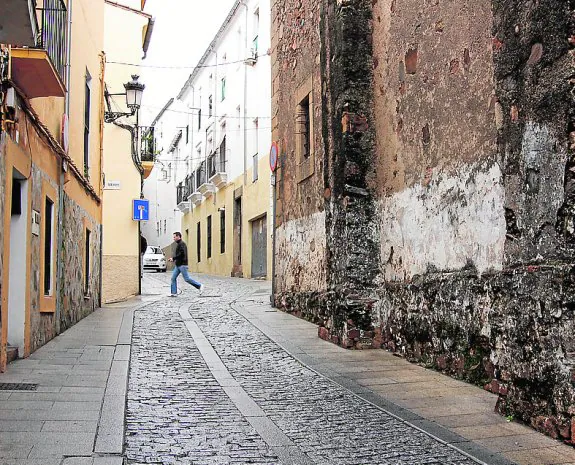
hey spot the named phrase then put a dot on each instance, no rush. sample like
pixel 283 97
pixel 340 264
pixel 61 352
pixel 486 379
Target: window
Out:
pixel 48 246
pixel 199 242
pixel 187 134
pixel 222 161
pixel 210 106
pixel 165 227
pixel 87 106
pixel 222 230
pixel 209 236
pixel 223 89
pixel 303 124
pixel 256 32
pixel 16 197
pixel 255 168
pixel 87 263
pixel 304 130
pixel 199 119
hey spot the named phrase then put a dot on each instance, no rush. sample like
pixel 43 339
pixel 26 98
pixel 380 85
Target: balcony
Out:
pixel 217 168
pixel 196 198
pixel 207 189
pixel 148 149
pixel 38 66
pixel 182 195
pixel 16 25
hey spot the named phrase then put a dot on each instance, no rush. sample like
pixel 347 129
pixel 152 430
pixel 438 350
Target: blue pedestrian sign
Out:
pixel 141 210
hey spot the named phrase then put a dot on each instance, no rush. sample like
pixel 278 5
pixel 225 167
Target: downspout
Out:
pixel 215 138
pixel 101 181
pixel 60 232
pixel 245 99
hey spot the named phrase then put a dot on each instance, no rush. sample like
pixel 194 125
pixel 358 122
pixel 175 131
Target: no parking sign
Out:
pixel 274 156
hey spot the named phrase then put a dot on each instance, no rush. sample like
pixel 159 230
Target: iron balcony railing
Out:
pixel 148 146
pixel 190 184
pixel 181 193
pixel 201 177
pixel 51 27
pixel 185 189
pixel 217 162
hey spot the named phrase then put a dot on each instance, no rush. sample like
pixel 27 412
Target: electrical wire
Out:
pixel 184 67
pixel 195 112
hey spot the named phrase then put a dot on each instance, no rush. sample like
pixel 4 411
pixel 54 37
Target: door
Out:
pixel 259 248
pixel 237 271
pixel 17 265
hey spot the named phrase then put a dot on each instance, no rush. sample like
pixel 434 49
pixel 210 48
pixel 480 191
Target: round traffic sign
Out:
pixel 274 155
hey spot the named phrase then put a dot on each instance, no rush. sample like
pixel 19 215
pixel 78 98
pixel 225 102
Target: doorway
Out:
pixel 237 268
pixel 17 263
pixel 259 248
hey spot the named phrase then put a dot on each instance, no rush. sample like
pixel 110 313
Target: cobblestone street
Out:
pixel 208 387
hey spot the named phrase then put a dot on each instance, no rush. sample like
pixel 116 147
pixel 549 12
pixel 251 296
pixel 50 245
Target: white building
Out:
pixel 170 169
pixel 223 146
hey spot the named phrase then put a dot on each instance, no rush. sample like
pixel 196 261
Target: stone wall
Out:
pixel 76 302
pixel 296 52
pixel 43 326
pixel 448 190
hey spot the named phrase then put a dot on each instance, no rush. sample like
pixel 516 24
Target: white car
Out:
pixel 155 259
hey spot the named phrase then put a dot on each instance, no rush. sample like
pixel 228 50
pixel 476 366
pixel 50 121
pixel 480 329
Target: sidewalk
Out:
pixel 76 414
pixel 453 411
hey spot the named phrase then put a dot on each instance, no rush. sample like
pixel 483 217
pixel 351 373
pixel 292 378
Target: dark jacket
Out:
pixel 181 255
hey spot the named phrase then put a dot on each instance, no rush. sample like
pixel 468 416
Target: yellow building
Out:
pixel 51 92
pixel 128 34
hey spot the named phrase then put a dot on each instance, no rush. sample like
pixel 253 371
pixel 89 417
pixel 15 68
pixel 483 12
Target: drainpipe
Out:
pixel 60 232
pixel 245 99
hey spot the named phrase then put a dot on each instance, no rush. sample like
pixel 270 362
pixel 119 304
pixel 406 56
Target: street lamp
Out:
pixel 134 92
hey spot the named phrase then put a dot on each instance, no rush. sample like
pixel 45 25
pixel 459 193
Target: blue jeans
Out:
pixel 184 270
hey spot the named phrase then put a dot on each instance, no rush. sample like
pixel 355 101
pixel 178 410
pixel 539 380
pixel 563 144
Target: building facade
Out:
pixel 221 148
pixel 170 130
pixel 51 93
pixel 128 31
pixel 425 187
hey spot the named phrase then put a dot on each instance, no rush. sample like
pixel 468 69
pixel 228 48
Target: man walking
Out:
pixel 180 260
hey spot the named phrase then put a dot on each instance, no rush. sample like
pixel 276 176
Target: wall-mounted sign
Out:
pixel 35 222
pixel 141 211
pixel 274 155
pixel 113 185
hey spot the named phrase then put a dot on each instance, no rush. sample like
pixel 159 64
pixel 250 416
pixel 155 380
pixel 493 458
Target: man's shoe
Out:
pixel 201 289
pixel 173 295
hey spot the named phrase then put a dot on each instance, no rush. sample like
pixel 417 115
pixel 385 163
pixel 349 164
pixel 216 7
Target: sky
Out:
pixel 183 31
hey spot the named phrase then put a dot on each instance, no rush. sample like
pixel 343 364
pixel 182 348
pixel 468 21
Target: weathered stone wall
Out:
pixel 42 325
pixel 438 177
pixel 76 304
pixel 296 51
pixel 453 245
pixel 326 235
pixel 477 231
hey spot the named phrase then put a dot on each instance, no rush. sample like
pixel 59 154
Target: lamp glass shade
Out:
pixel 134 92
